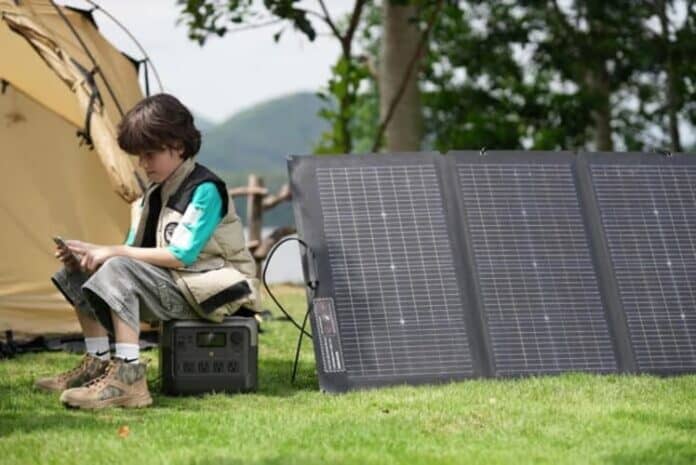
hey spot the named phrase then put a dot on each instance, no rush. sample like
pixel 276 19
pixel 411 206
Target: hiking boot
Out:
pixel 121 385
pixel 89 368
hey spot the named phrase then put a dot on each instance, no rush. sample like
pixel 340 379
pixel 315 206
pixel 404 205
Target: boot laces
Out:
pixel 76 369
pixel 102 377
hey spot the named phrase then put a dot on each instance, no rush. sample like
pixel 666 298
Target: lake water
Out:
pixel 285 266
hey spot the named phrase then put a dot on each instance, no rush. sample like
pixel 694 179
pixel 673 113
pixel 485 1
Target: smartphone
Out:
pixel 61 242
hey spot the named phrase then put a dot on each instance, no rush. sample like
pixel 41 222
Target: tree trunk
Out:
pixel 675 140
pixel 399 44
pixel 597 82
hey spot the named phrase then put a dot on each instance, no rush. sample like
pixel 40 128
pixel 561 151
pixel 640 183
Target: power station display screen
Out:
pixel 210 339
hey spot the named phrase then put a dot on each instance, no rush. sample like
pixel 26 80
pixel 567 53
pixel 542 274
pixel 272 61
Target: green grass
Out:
pixel 574 418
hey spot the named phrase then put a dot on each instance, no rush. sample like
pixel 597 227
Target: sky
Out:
pixel 227 74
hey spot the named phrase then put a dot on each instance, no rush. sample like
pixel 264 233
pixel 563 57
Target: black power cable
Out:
pixel 311 285
pixel 263 278
pixel 299 344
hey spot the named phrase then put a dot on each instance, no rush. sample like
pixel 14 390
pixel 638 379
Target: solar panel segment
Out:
pixel 395 290
pixel 539 291
pixel 647 205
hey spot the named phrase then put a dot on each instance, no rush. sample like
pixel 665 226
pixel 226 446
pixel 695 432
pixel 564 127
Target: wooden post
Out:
pixel 255 214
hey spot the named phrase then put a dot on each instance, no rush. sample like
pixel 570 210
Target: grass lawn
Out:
pixel 573 418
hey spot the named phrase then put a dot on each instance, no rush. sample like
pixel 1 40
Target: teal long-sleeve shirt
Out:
pixel 200 219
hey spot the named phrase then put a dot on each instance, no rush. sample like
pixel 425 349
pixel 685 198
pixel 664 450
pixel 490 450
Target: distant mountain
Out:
pixel 258 139
pixel 202 123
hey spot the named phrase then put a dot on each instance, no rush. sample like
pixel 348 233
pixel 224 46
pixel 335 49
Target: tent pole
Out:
pixel 91 57
pixel 132 37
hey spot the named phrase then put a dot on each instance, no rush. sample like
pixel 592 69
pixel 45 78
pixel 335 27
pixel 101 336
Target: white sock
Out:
pixel 98 346
pixel 128 352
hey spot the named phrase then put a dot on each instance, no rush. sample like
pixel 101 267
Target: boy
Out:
pixel 185 257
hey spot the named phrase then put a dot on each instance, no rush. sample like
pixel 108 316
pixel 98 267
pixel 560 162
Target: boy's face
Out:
pixel 159 164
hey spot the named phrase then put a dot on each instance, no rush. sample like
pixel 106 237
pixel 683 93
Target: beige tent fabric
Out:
pixel 50 186
pixel 46 34
pixel 50 183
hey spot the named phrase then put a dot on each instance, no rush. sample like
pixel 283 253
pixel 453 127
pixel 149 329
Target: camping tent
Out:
pixel 58 77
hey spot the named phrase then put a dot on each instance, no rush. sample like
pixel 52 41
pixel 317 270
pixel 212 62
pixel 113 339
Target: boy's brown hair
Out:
pixel 157 122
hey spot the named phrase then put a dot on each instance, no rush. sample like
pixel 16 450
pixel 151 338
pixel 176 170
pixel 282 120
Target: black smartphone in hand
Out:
pixel 61 243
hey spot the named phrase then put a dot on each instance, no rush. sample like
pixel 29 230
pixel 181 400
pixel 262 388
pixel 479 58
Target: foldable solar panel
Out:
pixel 532 262
pixel 433 268
pixel 647 210
pixel 389 307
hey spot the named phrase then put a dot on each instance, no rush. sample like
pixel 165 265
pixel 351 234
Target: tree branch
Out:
pixel 354 21
pixel 329 21
pixel 254 26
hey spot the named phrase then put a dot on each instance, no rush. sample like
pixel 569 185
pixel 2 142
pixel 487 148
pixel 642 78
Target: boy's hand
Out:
pixel 92 258
pixel 79 247
pixel 70 260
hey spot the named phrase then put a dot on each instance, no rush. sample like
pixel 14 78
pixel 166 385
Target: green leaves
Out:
pixel 204 18
pixel 341 95
pixel 286 9
pixel 209 17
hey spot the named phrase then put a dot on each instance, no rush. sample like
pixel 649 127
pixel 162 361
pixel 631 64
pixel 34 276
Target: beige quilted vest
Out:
pixel 224 276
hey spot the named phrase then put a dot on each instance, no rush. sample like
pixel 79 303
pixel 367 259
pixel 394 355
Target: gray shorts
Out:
pixel 135 290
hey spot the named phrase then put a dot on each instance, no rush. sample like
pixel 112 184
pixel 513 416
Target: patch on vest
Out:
pixel 191 215
pixel 169 231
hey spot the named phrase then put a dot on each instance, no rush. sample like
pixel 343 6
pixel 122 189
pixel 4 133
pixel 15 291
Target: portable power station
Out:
pixel 198 356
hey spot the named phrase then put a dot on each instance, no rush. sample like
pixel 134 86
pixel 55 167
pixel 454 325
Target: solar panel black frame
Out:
pixel 310 225
pixel 611 242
